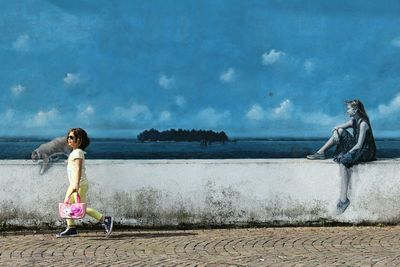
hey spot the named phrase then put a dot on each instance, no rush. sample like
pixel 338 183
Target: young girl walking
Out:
pixel 351 149
pixel 78 140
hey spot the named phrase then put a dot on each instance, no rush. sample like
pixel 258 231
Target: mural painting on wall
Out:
pixel 198 79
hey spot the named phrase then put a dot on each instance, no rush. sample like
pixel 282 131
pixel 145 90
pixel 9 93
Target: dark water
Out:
pixel 14 148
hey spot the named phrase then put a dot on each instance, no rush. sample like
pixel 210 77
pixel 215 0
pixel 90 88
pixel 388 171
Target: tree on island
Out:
pixel 182 136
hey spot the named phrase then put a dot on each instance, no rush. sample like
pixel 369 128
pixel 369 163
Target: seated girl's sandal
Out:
pixel 342 206
pixel 316 155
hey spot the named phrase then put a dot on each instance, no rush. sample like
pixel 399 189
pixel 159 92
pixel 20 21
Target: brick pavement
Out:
pixel 316 246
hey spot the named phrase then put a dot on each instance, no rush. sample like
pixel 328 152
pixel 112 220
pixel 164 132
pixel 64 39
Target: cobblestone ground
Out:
pixel 333 246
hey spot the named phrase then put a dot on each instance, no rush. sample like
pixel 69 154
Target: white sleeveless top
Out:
pixel 76 154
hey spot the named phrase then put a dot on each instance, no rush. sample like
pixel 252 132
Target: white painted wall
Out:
pixel 169 192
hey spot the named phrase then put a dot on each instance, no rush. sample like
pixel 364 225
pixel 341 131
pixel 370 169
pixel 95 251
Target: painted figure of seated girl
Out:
pixel 351 149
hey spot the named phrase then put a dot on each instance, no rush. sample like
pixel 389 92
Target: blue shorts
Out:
pixel 349 159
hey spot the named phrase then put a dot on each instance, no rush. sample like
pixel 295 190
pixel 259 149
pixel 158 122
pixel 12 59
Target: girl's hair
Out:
pixel 82 139
pixel 358 105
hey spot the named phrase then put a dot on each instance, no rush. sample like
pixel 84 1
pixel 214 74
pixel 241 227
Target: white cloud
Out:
pixel 72 79
pixel 283 111
pixel 134 112
pixel 17 90
pixel 42 118
pixel 228 76
pixel 287 110
pixel 7 118
pixel 88 110
pixel 309 66
pixel 393 106
pixel 8 115
pixel 211 118
pixel 166 82
pixel 256 113
pixel 388 109
pixel 22 43
pixel 180 101
pixel 165 115
pixel 271 57
pixel 396 42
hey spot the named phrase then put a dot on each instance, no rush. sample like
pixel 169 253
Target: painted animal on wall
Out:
pixel 50 152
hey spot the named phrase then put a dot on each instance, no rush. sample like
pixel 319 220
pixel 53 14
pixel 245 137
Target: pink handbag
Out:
pixel 72 210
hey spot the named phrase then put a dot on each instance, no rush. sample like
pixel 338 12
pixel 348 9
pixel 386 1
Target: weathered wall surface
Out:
pixel 171 192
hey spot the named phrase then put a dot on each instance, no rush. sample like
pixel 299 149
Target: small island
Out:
pixel 182 136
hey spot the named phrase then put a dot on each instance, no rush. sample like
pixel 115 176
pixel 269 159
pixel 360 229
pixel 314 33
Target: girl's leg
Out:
pixel 344 185
pixel 107 221
pixel 89 211
pixel 71 229
pixel 70 222
pixel 333 140
pixel 344 202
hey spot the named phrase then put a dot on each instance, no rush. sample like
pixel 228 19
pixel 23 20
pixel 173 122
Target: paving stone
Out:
pixel 316 246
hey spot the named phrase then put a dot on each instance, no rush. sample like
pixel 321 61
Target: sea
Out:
pixel 21 148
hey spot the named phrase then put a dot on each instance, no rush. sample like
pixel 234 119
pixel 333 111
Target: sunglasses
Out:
pixel 71 137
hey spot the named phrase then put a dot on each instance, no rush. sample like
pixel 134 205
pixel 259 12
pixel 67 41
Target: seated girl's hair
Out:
pixel 358 105
pixel 81 136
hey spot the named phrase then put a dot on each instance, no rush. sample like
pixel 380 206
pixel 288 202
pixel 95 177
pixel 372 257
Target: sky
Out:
pixel 250 68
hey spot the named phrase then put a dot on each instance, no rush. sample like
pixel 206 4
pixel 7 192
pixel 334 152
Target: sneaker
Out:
pixel 316 155
pixel 108 224
pixel 342 206
pixel 69 232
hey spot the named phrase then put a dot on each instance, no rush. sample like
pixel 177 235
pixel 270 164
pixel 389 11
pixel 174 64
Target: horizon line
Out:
pixel 235 138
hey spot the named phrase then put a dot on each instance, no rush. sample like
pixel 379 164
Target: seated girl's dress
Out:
pixel 347 141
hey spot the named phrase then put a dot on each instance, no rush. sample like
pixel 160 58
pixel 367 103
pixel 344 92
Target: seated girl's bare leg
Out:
pixel 344 184
pixel 327 145
pixel 331 141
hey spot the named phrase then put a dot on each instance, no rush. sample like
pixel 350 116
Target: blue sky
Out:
pixel 250 68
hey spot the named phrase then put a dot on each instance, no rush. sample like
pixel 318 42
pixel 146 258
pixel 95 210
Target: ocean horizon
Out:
pixel 131 148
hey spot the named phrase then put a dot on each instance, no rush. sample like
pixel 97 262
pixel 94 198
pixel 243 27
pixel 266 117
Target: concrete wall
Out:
pixel 171 192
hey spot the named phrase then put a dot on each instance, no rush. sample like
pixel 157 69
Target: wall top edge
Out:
pixel 197 161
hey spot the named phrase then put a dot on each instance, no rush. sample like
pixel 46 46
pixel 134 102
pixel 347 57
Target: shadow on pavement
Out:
pixel 124 236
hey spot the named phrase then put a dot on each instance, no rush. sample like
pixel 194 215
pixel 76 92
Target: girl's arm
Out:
pixel 345 125
pixel 77 174
pixel 361 137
